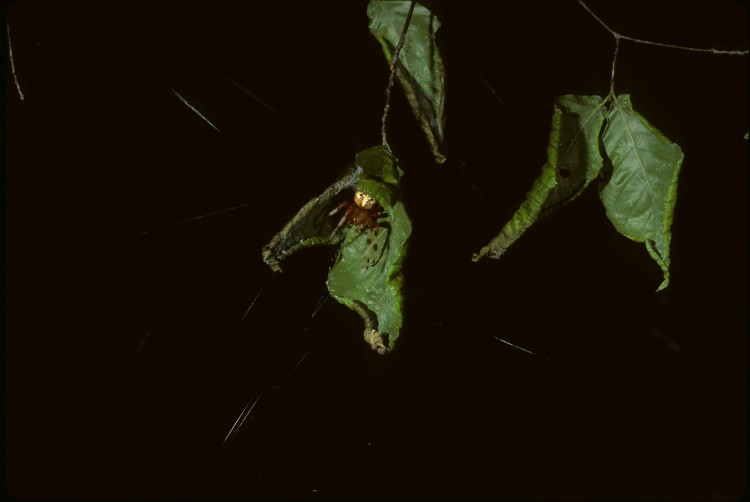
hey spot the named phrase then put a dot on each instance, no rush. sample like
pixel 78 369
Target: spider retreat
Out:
pixel 362 212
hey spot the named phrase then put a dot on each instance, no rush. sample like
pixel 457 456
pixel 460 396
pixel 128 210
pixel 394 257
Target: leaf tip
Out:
pixel 377 340
pixel 271 260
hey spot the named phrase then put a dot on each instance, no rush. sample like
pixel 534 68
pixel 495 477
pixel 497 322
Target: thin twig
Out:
pixel 693 49
pixel 618 36
pixel 660 44
pixel 394 61
pixel 12 64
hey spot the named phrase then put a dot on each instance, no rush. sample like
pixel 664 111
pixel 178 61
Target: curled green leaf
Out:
pixel 641 192
pixel 311 226
pixel 420 69
pixel 368 274
pixel 573 161
pixel 368 278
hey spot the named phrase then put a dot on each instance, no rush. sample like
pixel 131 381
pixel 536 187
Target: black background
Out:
pixel 127 360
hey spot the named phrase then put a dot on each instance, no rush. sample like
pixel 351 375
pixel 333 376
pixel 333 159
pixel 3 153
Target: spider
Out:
pixel 362 211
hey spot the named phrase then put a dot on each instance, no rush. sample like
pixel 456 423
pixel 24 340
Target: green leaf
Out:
pixel 311 226
pixel 420 68
pixel 380 174
pixel 641 193
pixel 573 161
pixel 367 276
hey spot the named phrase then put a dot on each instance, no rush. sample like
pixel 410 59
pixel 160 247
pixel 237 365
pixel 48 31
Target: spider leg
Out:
pixel 386 240
pixel 338 208
pixel 341 222
pixel 374 226
pixel 371 245
pixel 368 248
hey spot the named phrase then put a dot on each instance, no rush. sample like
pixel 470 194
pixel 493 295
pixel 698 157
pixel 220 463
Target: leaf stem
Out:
pixel 614 63
pixel 394 61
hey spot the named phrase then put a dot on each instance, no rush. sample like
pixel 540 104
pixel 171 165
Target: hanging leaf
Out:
pixel 641 193
pixel 367 276
pixel 573 161
pixel 420 68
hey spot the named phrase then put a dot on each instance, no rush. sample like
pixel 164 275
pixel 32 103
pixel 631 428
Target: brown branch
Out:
pixel 394 61
pixel 619 36
pixel 660 44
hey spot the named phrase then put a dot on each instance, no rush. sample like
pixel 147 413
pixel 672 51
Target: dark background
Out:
pixel 127 361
